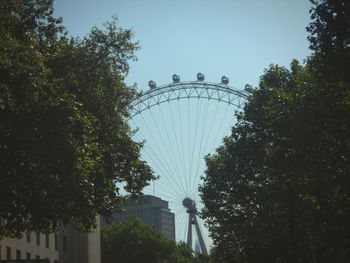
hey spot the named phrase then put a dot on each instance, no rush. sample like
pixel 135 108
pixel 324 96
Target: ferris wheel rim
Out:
pixel 157 95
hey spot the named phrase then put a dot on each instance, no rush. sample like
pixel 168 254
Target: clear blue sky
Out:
pixel 224 37
pixel 238 39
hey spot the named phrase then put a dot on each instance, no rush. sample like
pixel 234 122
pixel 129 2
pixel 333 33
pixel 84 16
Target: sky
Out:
pixel 238 39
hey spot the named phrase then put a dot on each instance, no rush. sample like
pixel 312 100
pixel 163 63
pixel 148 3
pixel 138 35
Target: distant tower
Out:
pixel 197 248
pixel 192 220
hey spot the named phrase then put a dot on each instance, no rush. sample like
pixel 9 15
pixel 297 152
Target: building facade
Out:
pixel 30 246
pixel 150 210
pixel 67 246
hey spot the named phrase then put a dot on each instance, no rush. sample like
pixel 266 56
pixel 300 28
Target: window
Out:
pixel 56 241
pixel 18 254
pixel 28 237
pixel 8 253
pixel 64 245
pixel 38 239
pixel 27 255
pixel 47 240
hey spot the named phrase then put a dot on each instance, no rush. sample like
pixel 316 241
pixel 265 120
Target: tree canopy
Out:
pixel 133 242
pixel 278 189
pixel 64 138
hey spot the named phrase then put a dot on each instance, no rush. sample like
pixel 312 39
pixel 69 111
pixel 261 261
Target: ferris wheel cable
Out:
pixel 170 191
pixel 226 128
pixel 172 177
pixel 207 135
pixel 189 134
pixel 159 185
pixel 169 197
pixel 178 211
pixel 167 134
pixel 176 141
pixel 194 142
pixel 155 163
pixel 182 140
pixel 166 148
pixel 203 128
pixel 177 204
pixel 211 124
pixel 173 157
pixel 154 154
pixel 165 190
pixel 217 136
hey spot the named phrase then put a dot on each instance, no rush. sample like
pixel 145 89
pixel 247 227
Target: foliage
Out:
pixel 278 190
pixel 132 242
pixel 64 137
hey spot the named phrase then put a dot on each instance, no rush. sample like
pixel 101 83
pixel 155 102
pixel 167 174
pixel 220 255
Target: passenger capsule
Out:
pixel 248 88
pixel 176 78
pixel 200 76
pixel 224 80
pixel 152 84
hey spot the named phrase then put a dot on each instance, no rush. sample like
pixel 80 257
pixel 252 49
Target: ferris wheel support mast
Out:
pixel 192 220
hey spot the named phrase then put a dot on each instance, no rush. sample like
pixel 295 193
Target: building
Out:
pixel 80 247
pixel 31 246
pixel 67 246
pixel 150 210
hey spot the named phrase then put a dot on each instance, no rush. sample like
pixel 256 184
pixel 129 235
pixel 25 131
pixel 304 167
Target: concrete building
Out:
pixel 68 246
pixel 80 247
pixel 31 246
pixel 150 210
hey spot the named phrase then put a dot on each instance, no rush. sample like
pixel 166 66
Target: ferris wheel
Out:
pixel 180 123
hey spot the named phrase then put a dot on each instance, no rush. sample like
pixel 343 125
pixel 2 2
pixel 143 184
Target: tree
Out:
pixel 64 138
pixel 278 189
pixel 248 191
pixel 131 241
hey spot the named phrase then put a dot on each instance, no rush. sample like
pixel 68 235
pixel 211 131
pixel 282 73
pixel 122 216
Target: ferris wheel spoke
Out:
pixel 171 148
pixel 165 146
pixel 181 157
pixel 189 138
pixel 200 158
pixel 172 177
pixel 226 128
pixel 166 194
pixel 155 155
pixel 181 133
pixel 194 142
pixel 218 133
pixel 212 122
pixel 155 164
pixel 165 188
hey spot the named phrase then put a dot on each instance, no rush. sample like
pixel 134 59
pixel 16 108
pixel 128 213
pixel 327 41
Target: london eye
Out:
pixel 180 123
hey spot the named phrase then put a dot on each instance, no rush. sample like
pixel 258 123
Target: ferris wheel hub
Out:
pixel 190 205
